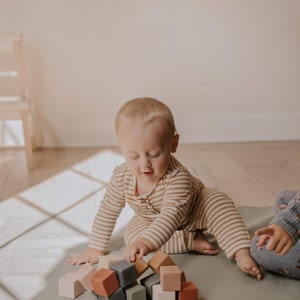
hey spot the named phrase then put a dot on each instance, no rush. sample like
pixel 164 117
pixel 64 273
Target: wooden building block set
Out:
pixel 119 280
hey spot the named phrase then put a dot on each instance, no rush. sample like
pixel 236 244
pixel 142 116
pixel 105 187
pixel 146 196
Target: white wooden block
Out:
pixel 70 286
pixel 159 294
pixel 105 261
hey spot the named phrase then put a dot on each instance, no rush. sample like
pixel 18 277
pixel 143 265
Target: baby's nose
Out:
pixel 146 163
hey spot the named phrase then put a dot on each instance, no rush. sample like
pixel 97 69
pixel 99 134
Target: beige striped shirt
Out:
pixel 168 206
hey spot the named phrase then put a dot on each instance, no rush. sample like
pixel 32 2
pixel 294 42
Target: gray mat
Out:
pixel 216 277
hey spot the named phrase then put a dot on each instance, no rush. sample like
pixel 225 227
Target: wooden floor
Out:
pixel 251 173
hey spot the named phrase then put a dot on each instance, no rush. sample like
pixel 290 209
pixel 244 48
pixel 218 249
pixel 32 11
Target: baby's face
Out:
pixel 147 149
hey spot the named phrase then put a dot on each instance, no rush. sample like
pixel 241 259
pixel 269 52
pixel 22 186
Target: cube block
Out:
pixel 125 271
pixel 188 291
pixel 117 295
pixel 70 286
pixel 105 282
pixel 140 266
pixel 135 292
pixel 84 275
pixel 170 278
pixel 148 282
pixel 159 294
pixel 105 261
pixel 160 259
pixel 183 279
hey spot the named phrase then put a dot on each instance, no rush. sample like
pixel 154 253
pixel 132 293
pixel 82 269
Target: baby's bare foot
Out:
pixel 202 246
pixel 245 262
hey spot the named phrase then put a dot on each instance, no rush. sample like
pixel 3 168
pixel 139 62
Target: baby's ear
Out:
pixel 175 143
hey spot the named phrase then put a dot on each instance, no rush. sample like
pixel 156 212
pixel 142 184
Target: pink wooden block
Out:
pixel 84 275
pixel 170 278
pixel 69 286
pixel 188 291
pixel 159 294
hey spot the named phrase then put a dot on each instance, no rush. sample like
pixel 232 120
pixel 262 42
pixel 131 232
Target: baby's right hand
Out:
pixel 276 238
pixel 90 255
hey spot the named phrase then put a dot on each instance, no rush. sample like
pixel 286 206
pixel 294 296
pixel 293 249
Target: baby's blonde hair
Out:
pixel 148 109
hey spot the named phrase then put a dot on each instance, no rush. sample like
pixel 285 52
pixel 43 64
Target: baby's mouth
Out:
pixel 147 172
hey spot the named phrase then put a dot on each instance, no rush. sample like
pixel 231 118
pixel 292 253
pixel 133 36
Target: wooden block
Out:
pixel 148 283
pixel 183 278
pixel 105 261
pixel 170 278
pixel 159 294
pixel 105 282
pixel 70 286
pixel 125 271
pixel 117 295
pixel 135 292
pixel 188 291
pixel 160 259
pixel 140 266
pixel 84 275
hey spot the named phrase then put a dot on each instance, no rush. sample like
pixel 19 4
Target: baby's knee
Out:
pixel 214 195
pixel 287 265
pixel 283 199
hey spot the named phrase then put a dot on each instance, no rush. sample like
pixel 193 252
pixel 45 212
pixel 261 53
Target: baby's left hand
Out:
pixel 140 247
pixel 277 239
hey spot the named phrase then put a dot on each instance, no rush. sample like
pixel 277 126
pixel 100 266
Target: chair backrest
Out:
pixel 12 78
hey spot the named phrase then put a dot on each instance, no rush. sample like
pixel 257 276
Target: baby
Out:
pixel 277 246
pixel 172 207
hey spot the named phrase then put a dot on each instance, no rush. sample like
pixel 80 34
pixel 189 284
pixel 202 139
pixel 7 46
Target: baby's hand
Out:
pixel 90 255
pixel 139 247
pixel 278 239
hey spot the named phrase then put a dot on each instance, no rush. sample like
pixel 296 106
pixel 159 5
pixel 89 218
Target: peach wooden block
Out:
pixel 160 259
pixel 84 275
pixel 188 291
pixel 69 286
pixel 140 266
pixel 105 282
pixel 170 278
pixel 105 261
pixel 159 294
pixel 182 276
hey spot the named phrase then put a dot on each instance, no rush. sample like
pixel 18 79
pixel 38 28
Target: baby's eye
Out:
pixel 133 157
pixel 154 154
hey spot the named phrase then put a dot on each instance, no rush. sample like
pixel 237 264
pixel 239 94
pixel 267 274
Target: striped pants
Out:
pixel 214 212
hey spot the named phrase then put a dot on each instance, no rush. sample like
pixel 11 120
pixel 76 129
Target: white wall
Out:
pixel 229 69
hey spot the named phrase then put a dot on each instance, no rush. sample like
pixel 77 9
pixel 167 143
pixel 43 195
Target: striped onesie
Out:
pixel 170 213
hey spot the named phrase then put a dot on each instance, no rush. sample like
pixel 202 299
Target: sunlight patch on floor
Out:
pixel 39 225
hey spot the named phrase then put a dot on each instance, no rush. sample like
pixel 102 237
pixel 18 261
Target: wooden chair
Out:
pixel 14 98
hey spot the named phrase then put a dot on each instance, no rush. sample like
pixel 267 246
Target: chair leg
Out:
pixel 27 140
